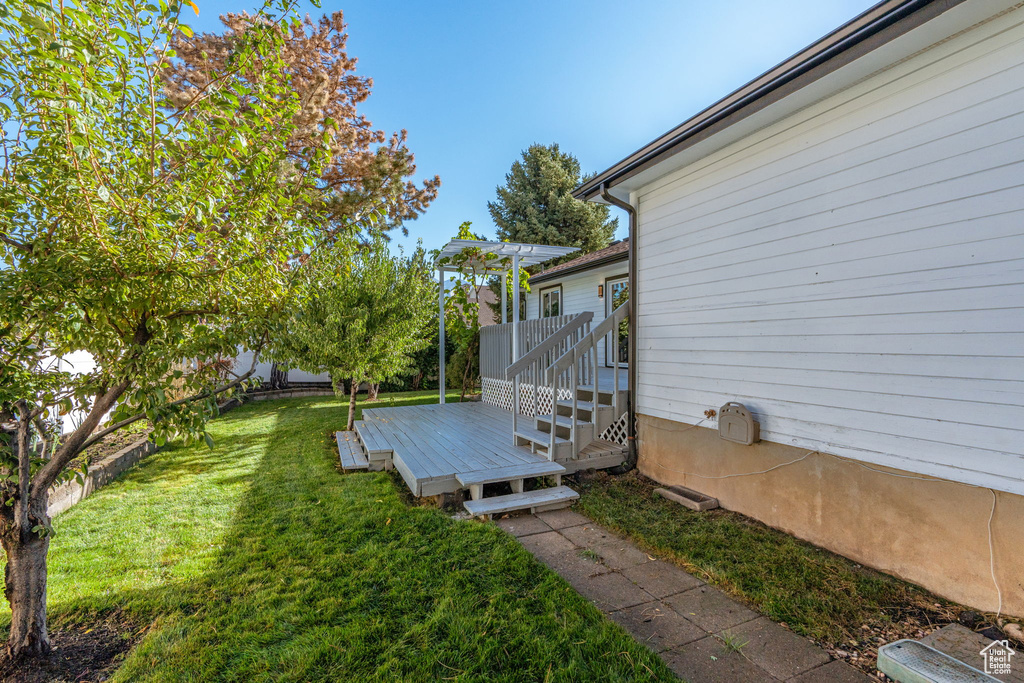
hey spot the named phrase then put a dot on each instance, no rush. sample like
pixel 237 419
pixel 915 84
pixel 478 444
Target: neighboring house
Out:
pixel 595 282
pixel 485 299
pixel 243 361
pixel 839 246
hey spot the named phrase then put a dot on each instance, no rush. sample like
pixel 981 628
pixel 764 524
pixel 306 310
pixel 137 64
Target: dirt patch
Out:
pixel 113 443
pixel 80 654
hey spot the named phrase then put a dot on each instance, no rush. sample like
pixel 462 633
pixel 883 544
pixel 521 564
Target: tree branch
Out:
pixel 99 436
pixel 72 446
pixel 21 521
pixel 21 246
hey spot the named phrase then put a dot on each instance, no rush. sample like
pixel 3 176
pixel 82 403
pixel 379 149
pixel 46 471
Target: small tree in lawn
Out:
pixel 363 314
pixel 142 231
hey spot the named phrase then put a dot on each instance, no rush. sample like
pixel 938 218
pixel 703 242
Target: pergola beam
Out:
pixel 520 255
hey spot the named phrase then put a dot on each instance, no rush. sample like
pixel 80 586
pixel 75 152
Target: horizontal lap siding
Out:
pixel 855 272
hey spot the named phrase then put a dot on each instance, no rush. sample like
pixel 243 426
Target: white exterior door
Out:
pixel 616 294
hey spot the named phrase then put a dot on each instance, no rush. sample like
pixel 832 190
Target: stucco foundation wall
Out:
pixel 931 532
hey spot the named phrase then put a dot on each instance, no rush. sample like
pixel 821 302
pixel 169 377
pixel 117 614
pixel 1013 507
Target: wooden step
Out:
pixel 583 406
pixel 539 499
pixel 509 473
pixel 351 451
pixel 372 438
pixel 561 421
pixel 604 394
pixel 538 437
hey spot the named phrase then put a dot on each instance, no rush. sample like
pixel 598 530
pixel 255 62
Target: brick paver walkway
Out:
pixel 685 621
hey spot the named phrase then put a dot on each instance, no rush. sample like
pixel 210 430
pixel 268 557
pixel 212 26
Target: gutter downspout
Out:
pixel 631 342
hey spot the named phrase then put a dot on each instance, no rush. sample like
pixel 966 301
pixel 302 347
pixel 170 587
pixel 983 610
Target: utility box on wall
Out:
pixel 736 424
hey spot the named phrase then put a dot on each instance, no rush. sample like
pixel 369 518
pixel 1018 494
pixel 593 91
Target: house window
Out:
pixel 550 302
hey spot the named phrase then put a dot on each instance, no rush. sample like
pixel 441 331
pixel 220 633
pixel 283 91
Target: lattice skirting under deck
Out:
pixel 617 432
pixel 498 392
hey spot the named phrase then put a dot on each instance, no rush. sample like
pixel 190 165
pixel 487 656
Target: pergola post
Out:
pixel 440 332
pixel 522 254
pixel 504 297
pixel 515 307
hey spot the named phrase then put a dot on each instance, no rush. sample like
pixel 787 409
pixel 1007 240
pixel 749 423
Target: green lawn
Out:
pixel 815 592
pixel 258 561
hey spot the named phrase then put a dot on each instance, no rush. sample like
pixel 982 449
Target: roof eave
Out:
pixel 866 32
pixel 596 263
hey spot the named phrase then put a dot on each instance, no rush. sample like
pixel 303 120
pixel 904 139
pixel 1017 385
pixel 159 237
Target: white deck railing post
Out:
pixel 440 333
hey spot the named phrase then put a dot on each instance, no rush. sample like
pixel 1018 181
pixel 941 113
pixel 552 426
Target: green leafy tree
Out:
pixel 143 231
pixel 362 316
pixel 536 204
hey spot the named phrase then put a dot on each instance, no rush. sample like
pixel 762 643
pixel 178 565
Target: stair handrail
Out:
pixel 563 362
pixel 533 360
pixel 578 352
pixel 549 342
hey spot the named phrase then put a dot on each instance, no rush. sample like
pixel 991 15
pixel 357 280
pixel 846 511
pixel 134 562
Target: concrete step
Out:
pixel 913 661
pixel 535 501
pixel 351 451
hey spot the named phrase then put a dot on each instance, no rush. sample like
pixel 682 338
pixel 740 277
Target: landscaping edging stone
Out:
pixel 100 474
pixel 289 393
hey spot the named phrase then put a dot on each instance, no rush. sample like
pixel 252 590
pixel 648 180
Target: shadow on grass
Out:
pixel 259 561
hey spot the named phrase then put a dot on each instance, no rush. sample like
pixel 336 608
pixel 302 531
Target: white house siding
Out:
pixel 579 293
pixel 854 273
pixel 78 363
pixel 243 361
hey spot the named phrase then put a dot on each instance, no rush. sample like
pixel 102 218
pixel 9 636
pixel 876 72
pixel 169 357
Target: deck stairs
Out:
pixel 567 436
pixel 573 435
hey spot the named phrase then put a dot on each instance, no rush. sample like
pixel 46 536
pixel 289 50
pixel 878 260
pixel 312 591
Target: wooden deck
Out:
pixel 431 445
pixel 606 376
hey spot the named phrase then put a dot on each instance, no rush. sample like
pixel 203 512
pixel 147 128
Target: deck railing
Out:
pixel 529 369
pixel 496 342
pixel 578 367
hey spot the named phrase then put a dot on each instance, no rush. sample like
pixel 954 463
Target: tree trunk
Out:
pixel 417 379
pixel 372 391
pixel 25 588
pixel 352 403
pixel 278 377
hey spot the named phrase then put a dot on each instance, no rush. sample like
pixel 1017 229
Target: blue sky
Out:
pixel 476 83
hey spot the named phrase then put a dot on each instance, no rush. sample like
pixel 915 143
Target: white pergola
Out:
pixel 498 257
